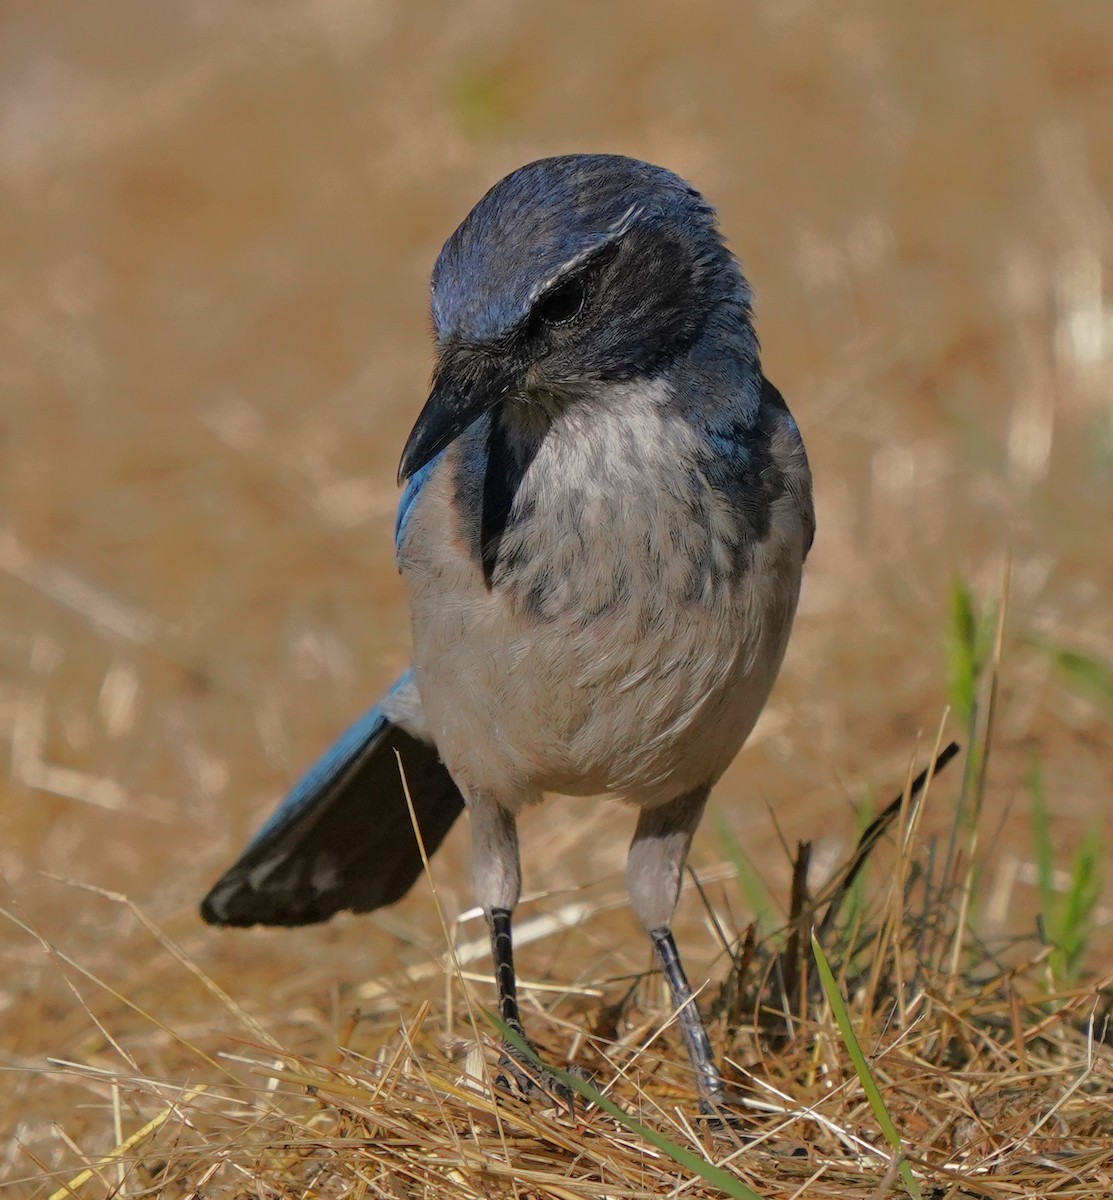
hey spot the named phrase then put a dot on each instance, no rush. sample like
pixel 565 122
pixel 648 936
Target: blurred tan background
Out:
pixel 217 221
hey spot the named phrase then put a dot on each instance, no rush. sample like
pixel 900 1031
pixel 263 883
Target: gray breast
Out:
pixel 616 508
pixel 631 620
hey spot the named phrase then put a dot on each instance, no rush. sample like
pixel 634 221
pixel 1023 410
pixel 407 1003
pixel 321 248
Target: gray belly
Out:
pixel 628 661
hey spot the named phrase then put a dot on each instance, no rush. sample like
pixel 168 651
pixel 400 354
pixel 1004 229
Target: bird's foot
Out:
pixel 719 1114
pixel 531 1080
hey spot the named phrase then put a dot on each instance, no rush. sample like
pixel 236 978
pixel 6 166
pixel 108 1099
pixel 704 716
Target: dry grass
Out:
pixel 212 344
pixel 995 1077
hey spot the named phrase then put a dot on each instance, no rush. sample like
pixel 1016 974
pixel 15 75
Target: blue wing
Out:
pixel 410 494
pixel 343 838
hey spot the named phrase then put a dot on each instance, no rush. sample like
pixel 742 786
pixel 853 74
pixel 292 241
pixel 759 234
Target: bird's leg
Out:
pixel 653 875
pixel 502 952
pixel 708 1079
pixel 497 880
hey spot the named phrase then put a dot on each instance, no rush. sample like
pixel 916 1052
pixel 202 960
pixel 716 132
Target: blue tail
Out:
pixel 343 838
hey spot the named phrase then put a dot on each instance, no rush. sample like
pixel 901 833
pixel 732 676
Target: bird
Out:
pixel 605 514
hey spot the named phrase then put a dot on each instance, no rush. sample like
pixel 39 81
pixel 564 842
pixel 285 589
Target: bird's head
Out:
pixel 570 273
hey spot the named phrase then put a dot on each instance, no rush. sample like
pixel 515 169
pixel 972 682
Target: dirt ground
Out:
pixel 217 224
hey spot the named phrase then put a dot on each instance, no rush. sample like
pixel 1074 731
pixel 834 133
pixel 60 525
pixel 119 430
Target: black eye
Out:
pixel 563 304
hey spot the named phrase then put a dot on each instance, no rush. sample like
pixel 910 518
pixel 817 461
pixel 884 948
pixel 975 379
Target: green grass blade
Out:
pixel 962 665
pixel 1066 918
pixel 1041 839
pixel 1079 903
pixel 1086 674
pixel 969 649
pixel 751 883
pixel 729 1184
pixel 861 1066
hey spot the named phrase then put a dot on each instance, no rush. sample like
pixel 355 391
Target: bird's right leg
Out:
pixel 497 881
pixel 653 871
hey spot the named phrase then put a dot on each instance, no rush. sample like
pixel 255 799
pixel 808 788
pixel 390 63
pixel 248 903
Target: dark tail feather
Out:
pixel 343 838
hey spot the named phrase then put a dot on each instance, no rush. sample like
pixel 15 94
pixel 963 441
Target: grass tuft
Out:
pixel 965 1064
pixel 1067 908
pixel 995 1084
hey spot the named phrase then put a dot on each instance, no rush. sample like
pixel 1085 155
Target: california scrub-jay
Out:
pixel 607 507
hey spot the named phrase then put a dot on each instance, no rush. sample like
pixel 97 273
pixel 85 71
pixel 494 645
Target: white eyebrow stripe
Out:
pixel 619 227
pixel 615 230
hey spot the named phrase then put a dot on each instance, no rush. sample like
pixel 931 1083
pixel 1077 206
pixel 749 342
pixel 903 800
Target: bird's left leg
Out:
pixel 497 881
pixel 653 875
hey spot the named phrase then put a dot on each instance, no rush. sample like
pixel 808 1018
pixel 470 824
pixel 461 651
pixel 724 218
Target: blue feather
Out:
pixel 410 495
pixel 343 838
pixel 324 772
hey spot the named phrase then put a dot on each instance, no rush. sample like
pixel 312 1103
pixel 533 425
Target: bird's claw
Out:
pixel 531 1081
pixel 718 1115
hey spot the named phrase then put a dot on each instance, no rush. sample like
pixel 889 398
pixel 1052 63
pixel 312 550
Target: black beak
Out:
pixel 466 384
